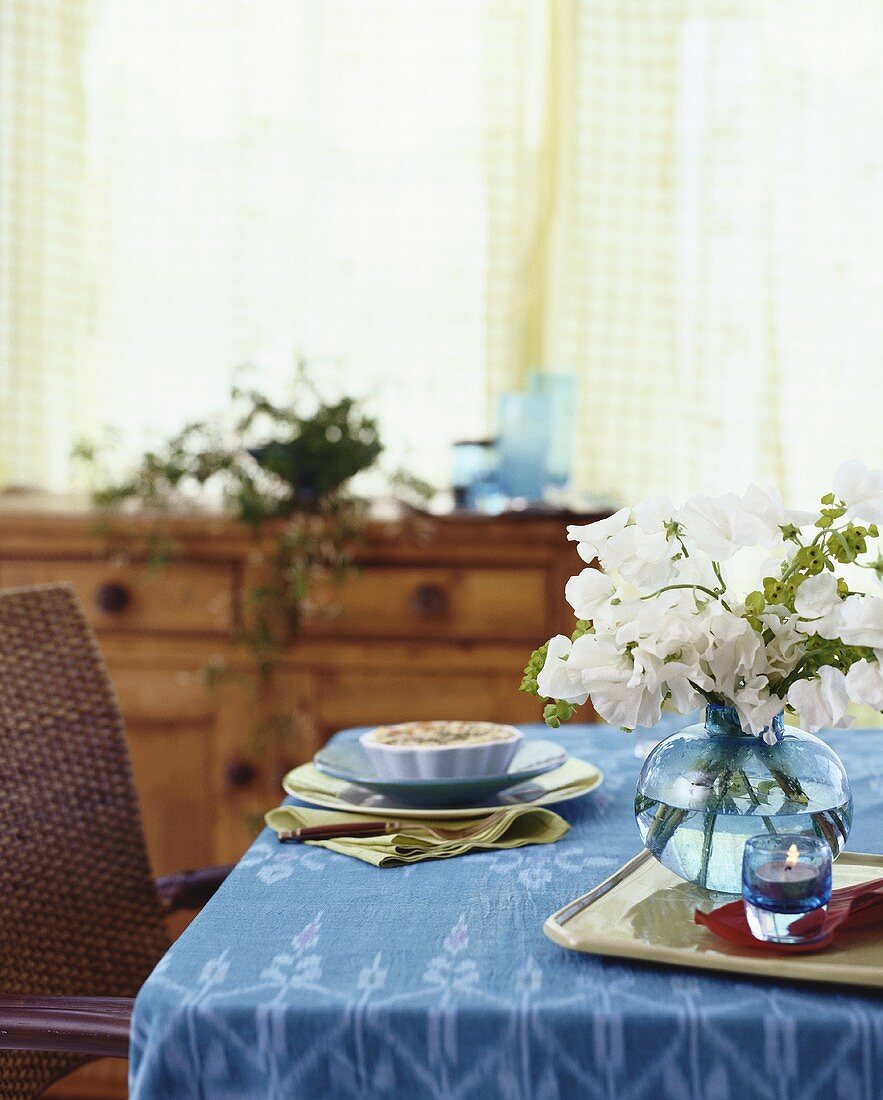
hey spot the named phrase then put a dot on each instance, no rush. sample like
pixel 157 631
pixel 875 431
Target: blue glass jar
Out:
pixel 706 789
pixel 523 444
pixel 786 878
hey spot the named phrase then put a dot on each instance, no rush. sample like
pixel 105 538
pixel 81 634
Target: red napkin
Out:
pixel 852 907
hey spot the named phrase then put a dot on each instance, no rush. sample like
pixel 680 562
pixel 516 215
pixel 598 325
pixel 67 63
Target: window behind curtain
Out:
pixel 285 178
pixel 679 200
pixel 264 180
pixel 719 257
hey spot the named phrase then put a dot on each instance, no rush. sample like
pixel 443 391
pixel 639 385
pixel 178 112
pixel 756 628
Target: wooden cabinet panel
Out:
pixel 367 699
pixel 170 726
pixel 181 597
pixel 172 766
pixel 478 602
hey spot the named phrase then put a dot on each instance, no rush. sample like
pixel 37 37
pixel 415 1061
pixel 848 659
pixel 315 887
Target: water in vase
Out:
pixel 702 793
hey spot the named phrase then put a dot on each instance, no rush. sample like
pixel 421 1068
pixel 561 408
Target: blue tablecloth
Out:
pixel 312 975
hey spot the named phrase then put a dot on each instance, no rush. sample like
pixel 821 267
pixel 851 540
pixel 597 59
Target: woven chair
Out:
pixel 81 919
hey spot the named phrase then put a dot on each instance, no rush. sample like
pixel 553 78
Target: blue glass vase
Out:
pixel 523 444
pixel 706 789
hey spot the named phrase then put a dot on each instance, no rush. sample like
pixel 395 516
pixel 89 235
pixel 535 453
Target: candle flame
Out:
pixel 792 857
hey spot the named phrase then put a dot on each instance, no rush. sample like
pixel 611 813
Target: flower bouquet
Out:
pixel 753 610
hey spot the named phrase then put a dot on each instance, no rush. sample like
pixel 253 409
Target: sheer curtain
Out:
pixel 719 257
pixel 678 200
pixel 255 181
pixel 46 322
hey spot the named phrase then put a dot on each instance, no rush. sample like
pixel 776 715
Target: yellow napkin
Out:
pixel 512 829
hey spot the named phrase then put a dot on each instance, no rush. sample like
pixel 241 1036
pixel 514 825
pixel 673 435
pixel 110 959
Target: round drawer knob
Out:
pixel 429 601
pixel 240 774
pixel 112 598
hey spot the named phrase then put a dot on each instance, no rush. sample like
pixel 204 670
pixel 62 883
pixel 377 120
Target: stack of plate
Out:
pixel 347 760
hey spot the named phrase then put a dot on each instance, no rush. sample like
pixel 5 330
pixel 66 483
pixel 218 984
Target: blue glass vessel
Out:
pixel 785 878
pixel 706 789
pixel 523 444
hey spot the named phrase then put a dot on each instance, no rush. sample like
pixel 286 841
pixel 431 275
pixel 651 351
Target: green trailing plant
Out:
pixel 280 469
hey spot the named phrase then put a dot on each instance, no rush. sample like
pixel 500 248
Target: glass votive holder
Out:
pixel 473 462
pixel 785 876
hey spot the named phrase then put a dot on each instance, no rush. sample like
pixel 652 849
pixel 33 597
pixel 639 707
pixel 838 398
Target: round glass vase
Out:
pixel 706 789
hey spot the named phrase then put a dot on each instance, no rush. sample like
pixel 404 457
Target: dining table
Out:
pixel 314 975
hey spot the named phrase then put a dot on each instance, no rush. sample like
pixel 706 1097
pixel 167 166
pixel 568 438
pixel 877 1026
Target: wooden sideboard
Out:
pixel 437 622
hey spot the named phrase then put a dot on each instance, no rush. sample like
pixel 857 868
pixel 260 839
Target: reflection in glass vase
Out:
pixel 706 789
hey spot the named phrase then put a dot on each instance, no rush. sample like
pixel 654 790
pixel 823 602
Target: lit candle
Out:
pixel 787 880
pixel 784 876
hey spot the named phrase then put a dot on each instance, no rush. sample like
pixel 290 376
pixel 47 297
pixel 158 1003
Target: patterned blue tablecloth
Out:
pixel 312 975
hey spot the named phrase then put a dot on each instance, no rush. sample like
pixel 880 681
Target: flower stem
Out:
pixel 663 827
pixel 708 828
pixel 671 588
pixel 707 834
pixel 789 785
pixel 767 823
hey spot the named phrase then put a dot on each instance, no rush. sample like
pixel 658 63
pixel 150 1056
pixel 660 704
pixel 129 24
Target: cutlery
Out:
pixel 384 828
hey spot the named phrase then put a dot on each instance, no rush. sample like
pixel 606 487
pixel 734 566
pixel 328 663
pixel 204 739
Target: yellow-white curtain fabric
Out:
pixel 718 255
pixel 678 200
pixel 45 249
pixel 220 183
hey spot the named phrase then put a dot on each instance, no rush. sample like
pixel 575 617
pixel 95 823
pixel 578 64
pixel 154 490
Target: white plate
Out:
pixel 311 786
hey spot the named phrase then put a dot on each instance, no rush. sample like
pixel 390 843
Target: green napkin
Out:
pixel 512 829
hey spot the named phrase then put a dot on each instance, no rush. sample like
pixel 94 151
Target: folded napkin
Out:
pixel 511 828
pixel 573 778
pixel 849 908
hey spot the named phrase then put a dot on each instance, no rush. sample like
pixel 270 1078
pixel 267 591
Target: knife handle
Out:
pixel 332 832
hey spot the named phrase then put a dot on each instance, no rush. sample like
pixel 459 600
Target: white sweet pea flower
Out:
pixel 654 513
pixel 765 513
pixel 864 682
pixel 710 524
pixel 670 621
pixel 757 707
pixel 858 620
pixel 722 525
pixel 588 592
pixel 861 490
pixel 646 560
pixel 787 645
pixel 672 667
pixel 736 654
pixel 670 616
pixel 684 697
pixel 817 596
pixel 557 679
pixel 822 701
pixel 617 689
pixel 591 538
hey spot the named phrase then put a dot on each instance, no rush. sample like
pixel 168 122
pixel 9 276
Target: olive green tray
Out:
pixel 645 912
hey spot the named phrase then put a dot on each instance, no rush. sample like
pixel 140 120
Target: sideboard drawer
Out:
pixel 468 602
pixel 176 598
pixel 373 698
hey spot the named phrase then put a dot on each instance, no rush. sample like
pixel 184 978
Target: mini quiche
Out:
pixel 441 750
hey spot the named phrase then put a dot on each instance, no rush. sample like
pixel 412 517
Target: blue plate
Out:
pixel 348 760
